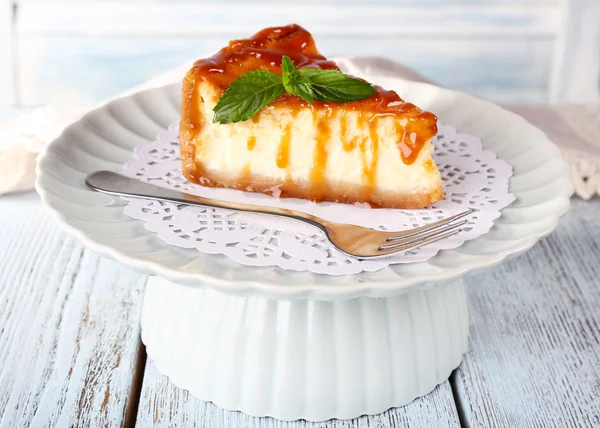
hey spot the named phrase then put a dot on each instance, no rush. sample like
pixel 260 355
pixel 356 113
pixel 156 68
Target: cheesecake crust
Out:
pixel 343 193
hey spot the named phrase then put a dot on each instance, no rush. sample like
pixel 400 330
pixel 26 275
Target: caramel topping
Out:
pixel 283 153
pixel 319 167
pixel 416 136
pixel 251 143
pixel 346 144
pixel 244 179
pixel 405 150
pixel 195 120
pixel 371 170
pixel 264 51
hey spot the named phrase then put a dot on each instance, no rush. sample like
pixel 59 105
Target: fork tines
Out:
pixel 427 234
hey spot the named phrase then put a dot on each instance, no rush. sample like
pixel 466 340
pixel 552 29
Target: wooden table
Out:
pixel 70 350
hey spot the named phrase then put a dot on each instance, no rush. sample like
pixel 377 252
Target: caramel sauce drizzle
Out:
pixel 195 119
pixel 405 150
pixel 317 173
pixel 348 145
pixel 371 170
pixel 251 143
pixel 283 152
pixel 264 51
pixel 244 179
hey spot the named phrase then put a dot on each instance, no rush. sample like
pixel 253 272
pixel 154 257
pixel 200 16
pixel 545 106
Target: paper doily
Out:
pixel 473 178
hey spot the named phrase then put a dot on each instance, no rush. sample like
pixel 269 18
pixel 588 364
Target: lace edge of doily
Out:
pixel 585 172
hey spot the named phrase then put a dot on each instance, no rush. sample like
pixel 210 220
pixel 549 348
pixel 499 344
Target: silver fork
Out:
pixel 355 241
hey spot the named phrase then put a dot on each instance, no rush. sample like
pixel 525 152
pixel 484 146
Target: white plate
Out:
pixel 105 138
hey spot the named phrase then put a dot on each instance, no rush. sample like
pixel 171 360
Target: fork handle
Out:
pixel 117 184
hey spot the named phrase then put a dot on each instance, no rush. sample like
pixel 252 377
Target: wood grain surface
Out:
pixel 69 325
pixel 534 353
pixel 69 339
pixel 164 405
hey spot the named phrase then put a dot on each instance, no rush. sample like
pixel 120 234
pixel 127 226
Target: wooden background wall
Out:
pixel 517 51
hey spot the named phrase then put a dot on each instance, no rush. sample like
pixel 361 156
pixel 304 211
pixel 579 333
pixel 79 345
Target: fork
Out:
pixel 355 241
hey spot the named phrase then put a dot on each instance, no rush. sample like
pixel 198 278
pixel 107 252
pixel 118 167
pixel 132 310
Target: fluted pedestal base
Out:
pixel 305 359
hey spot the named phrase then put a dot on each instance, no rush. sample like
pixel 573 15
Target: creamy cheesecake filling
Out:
pixel 325 147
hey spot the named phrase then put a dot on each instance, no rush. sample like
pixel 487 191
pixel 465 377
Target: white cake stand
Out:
pixel 305 359
pixel 297 345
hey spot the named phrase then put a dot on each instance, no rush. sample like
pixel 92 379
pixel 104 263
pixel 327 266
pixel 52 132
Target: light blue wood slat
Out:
pixel 66 70
pixel 69 325
pixel 323 18
pixel 6 54
pixel 534 354
pixel 579 81
pixel 162 404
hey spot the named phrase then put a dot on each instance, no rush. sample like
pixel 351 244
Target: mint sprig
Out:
pixel 252 91
pixel 295 82
pixel 247 95
pixel 333 85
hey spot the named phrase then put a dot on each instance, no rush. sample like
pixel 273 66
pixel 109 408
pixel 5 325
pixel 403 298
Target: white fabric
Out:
pixel 584 161
pixel 22 139
pixel 473 178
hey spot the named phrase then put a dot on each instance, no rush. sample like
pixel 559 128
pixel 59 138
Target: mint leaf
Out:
pixel 247 95
pixel 251 92
pixel 294 82
pixel 333 85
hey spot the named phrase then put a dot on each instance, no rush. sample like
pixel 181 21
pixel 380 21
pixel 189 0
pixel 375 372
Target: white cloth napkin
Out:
pixel 575 129
pixel 21 140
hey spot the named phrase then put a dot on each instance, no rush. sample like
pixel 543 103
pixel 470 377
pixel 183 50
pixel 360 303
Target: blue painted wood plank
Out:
pixel 163 405
pixel 7 95
pixel 415 20
pixel 66 70
pixel 534 354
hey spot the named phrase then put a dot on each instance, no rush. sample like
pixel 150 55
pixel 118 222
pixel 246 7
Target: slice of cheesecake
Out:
pixel 376 150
